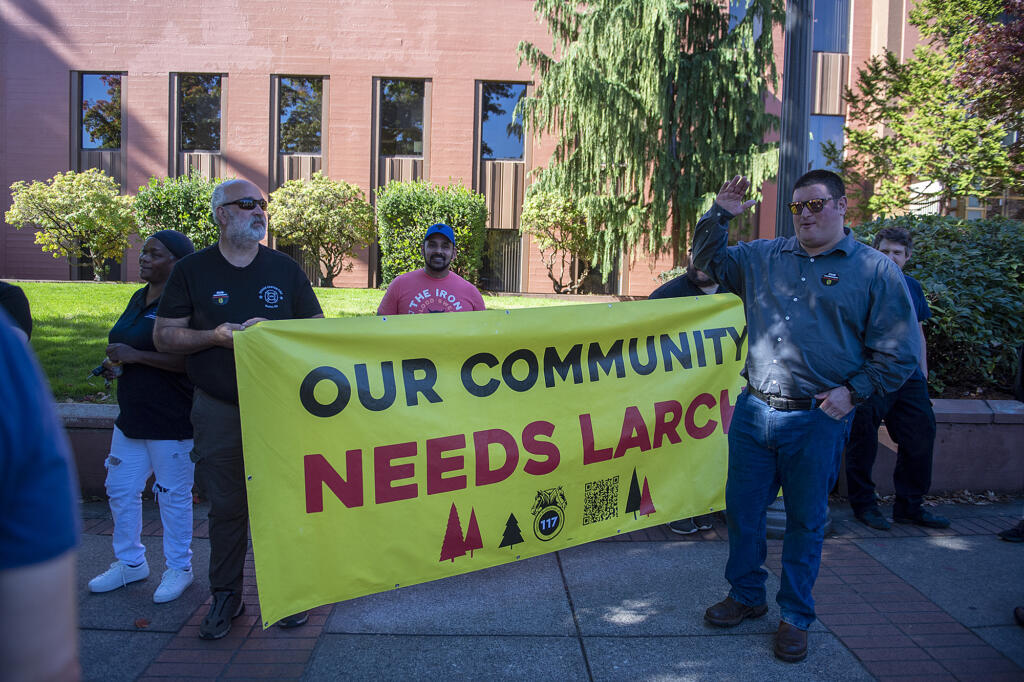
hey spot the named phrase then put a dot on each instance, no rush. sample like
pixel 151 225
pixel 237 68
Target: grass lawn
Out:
pixel 71 321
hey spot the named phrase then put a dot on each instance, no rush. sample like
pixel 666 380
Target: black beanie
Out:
pixel 178 244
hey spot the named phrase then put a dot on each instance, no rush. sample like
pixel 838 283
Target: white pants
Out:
pixel 129 466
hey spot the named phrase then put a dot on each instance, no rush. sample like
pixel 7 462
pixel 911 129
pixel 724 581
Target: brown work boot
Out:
pixel 790 643
pixel 729 612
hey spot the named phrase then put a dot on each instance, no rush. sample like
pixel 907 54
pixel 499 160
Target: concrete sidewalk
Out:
pixel 906 604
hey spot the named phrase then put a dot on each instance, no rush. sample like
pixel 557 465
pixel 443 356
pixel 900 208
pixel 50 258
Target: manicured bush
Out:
pixel 181 204
pixel 972 273
pixel 329 219
pixel 406 209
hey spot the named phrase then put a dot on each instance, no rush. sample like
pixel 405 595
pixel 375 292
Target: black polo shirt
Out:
pixel 155 403
pixel 209 290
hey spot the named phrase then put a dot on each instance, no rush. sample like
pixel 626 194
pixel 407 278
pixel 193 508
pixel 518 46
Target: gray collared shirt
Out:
pixel 814 322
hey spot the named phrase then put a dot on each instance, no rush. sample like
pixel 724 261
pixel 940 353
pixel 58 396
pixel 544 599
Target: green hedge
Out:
pixel 972 273
pixel 406 209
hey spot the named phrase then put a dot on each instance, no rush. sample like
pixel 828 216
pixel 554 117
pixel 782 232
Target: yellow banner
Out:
pixel 388 451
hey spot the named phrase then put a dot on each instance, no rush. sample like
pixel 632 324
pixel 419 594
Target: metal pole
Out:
pixel 796 118
pixel 796 106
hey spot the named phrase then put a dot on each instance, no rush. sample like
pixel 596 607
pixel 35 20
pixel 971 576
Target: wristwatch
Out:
pixel 855 398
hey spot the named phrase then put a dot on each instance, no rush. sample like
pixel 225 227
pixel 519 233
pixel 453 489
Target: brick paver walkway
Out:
pixel 891 627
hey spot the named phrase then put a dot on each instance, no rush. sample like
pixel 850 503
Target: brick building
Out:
pixel 397 90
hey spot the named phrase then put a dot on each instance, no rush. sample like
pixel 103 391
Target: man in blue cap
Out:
pixel 434 288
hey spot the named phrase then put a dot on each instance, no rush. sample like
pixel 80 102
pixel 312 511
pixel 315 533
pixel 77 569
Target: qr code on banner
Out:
pixel 601 500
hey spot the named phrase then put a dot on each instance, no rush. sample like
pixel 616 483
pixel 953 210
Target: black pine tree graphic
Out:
pixel 512 534
pixel 633 499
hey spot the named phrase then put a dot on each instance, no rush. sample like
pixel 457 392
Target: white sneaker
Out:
pixel 172 585
pixel 118 575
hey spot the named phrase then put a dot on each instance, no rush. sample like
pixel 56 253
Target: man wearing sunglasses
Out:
pixel 829 323
pixel 211 295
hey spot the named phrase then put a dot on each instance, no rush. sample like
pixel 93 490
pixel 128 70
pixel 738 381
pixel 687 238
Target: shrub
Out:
pixel 406 209
pixel 972 273
pixel 560 231
pixel 75 214
pixel 329 219
pixel 181 204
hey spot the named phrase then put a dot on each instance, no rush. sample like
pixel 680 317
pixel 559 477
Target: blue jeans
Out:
pixel 799 451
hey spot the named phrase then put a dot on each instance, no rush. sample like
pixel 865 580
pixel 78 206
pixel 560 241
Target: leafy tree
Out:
pixel 560 231
pixel 79 215
pixel 654 103
pixel 406 209
pixel 327 218
pixel 181 203
pixel 992 71
pixel 301 112
pixel 101 119
pixel 914 141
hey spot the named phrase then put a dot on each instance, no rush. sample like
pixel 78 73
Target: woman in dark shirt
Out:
pixel 152 433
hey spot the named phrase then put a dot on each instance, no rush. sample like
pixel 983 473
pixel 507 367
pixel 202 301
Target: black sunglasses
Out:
pixel 248 203
pixel 797 207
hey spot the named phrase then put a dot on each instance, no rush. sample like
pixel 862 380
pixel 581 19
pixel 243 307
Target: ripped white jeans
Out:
pixel 129 465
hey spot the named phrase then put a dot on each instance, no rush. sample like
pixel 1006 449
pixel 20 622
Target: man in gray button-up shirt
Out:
pixel 829 322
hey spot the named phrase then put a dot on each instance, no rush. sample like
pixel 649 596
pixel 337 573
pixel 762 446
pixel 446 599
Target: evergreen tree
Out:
pixel 646 502
pixel 453 545
pixel 473 539
pixel 633 499
pixel 512 534
pixel 654 103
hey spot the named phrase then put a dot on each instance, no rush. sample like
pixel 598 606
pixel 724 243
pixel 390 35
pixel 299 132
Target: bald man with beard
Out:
pixel 210 296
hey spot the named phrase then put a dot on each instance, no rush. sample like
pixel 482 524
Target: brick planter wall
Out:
pixel 978 446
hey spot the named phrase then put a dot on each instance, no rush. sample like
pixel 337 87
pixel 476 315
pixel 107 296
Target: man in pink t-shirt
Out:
pixel 433 288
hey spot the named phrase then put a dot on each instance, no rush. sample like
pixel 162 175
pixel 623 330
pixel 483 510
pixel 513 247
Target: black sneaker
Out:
pixel 922 518
pixel 1015 534
pixel 294 620
pixel 683 527
pixel 873 519
pixel 226 606
pixel 703 522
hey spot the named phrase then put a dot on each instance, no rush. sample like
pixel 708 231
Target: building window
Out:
pixel 737 12
pixel 199 112
pixel 401 117
pixel 101 111
pixel 824 129
pixel 300 112
pixel 501 131
pixel 831 25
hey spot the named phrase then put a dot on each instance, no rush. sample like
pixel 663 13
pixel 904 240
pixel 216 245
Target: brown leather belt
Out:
pixel 782 403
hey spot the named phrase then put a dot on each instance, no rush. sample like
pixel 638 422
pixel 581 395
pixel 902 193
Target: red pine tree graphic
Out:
pixel 473 540
pixel 453 545
pixel 646 503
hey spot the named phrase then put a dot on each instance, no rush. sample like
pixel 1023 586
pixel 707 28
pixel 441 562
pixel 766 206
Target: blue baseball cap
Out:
pixel 440 228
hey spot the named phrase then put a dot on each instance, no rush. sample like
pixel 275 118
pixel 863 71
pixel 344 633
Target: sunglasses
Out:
pixel 797 207
pixel 248 203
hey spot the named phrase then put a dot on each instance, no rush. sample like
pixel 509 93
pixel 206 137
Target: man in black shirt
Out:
pixel 212 294
pixel 693 282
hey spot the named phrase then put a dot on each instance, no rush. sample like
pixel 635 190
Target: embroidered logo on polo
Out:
pixel 220 297
pixel 271 296
pixel 830 279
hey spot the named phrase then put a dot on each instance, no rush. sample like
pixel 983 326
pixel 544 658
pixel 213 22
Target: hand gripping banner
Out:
pixel 388 451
